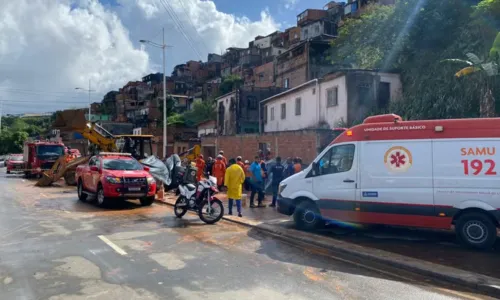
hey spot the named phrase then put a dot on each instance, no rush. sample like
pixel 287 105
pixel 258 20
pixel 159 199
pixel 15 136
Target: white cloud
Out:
pixel 290 4
pixel 209 29
pixel 47 49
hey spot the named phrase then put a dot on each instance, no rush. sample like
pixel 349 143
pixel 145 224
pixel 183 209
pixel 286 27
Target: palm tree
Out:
pixel 487 71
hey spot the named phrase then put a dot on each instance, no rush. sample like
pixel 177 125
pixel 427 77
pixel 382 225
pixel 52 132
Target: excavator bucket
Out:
pixel 61 168
pixel 70 120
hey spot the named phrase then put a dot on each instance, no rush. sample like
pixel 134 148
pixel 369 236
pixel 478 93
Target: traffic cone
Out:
pixel 160 193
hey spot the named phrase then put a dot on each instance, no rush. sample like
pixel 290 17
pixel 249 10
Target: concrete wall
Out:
pixel 314 107
pixel 263 42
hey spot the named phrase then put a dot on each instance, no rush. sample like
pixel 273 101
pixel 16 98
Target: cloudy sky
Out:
pixel 50 47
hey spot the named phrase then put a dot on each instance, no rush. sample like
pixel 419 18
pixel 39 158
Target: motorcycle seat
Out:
pixel 190 187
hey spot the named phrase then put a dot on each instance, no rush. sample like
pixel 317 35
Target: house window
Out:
pixel 265 114
pixel 252 102
pixel 272 113
pixel 317 29
pixel 314 91
pixel 261 77
pixel 283 111
pixel 306 32
pixel 286 83
pixel 298 106
pixel 295 36
pixel 332 97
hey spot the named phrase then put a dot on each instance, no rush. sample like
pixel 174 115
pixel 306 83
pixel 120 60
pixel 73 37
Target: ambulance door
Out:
pixel 334 183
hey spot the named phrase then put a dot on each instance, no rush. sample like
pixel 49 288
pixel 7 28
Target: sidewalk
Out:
pixel 269 221
pixel 251 216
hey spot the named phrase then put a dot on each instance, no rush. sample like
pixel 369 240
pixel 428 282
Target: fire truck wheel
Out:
pixel 476 230
pixel 8 172
pixel 81 195
pixel 307 216
pixel 101 200
pixel 147 201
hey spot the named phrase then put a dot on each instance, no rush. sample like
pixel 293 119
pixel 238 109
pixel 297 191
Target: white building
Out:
pixel 341 97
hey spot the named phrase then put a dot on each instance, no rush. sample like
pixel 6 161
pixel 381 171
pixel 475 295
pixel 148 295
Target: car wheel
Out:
pixel 81 195
pixel 147 201
pixel 476 230
pixel 307 216
pixel 101 199
pixel 8 172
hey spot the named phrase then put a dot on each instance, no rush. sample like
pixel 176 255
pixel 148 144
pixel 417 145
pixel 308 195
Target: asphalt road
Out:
pixel 54 247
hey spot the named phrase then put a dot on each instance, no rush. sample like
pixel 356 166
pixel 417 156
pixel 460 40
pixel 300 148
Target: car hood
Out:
pixel 116 173
pixel 16 162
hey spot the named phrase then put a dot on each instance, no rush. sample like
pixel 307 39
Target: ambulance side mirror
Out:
pixel 315 169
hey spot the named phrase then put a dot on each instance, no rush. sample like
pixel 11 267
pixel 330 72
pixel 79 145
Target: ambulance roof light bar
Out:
pixel 387 118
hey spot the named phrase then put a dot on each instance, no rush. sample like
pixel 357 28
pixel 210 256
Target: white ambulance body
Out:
pixel 432 174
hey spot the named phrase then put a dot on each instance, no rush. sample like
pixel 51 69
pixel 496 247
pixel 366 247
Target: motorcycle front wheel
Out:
pixel 212 213
pixel 180 211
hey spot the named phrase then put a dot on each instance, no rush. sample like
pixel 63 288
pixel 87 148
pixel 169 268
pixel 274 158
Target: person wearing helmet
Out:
pixel 248 176
pixel 219 170
pixel 200 165
pixel 239 161
pixel 221 153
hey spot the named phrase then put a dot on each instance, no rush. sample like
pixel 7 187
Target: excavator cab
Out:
pixel 140 146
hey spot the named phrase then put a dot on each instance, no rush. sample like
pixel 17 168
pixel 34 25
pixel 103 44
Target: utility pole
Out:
pixel 165 142
pixel 90 113
pixel 1 112
pixel 163 46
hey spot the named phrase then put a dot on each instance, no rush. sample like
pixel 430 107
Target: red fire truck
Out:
pixel 39 156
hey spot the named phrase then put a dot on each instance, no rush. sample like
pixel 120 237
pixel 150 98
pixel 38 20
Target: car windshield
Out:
pixel 16 158
pixel 122 164
pixel 50 150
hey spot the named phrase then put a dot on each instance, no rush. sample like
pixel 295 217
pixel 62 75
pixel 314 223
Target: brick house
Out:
pixel 238 111
pixel 304 61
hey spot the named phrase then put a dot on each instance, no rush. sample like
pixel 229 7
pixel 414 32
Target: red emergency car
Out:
pixel 14 163
pixel 115 176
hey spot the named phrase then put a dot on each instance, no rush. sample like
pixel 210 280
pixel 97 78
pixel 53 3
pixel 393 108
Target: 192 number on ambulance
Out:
pixel 478 167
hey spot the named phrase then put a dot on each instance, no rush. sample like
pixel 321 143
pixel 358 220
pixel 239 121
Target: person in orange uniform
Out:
pixel 297 166
pixel 224 159
pixel 239 161
pixel 219 170
pixel 200 165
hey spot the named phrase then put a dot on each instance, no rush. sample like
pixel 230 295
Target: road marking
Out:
pixel 112 245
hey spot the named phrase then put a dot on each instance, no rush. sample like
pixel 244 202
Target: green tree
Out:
pixel 200 112
pixel 229 84
pixel 411 37
pixel 486 71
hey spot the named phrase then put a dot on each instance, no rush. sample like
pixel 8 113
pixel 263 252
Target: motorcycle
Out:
pixel 200 199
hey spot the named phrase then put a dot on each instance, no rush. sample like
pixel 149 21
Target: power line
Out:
pixel 192 24
pixel 171 12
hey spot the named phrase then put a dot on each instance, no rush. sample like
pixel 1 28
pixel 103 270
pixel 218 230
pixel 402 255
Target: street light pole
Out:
pixel 165 142
pixel 90 105
pixel 163 46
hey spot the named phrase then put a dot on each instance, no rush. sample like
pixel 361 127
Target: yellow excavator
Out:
pixel 140 146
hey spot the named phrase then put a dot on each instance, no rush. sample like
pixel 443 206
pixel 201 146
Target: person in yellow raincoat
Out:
pixel 234 179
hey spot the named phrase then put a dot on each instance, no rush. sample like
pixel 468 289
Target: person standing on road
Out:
pixel 233 179
pixel 289 167
pixel 297 166
pixel 278 174
pixel 218 170
pixel 248 175
pixel 221 153
pixel 257 183
pixel 200 165
pixel 239 161
pixel 209 165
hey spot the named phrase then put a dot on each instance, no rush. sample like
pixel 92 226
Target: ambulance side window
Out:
pixel 337 160
pixel 92 161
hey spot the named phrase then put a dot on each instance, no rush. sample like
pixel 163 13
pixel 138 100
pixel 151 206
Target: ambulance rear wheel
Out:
pixel 307 216
pixel 476 230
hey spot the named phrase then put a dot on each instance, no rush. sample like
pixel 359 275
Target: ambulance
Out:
pixel 439 174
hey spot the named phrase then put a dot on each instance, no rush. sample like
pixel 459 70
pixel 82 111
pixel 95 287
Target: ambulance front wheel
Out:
pixel 307 216
pixel 476 230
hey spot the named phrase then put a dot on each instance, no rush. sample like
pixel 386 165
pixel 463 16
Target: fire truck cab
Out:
pixel 40 156
pixel 433 174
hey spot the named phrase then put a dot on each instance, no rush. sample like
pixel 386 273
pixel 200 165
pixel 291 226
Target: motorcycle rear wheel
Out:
pixel 180 211
pixel 216 213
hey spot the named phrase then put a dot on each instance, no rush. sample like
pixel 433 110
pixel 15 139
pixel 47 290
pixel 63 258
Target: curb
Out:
pixel 481 283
